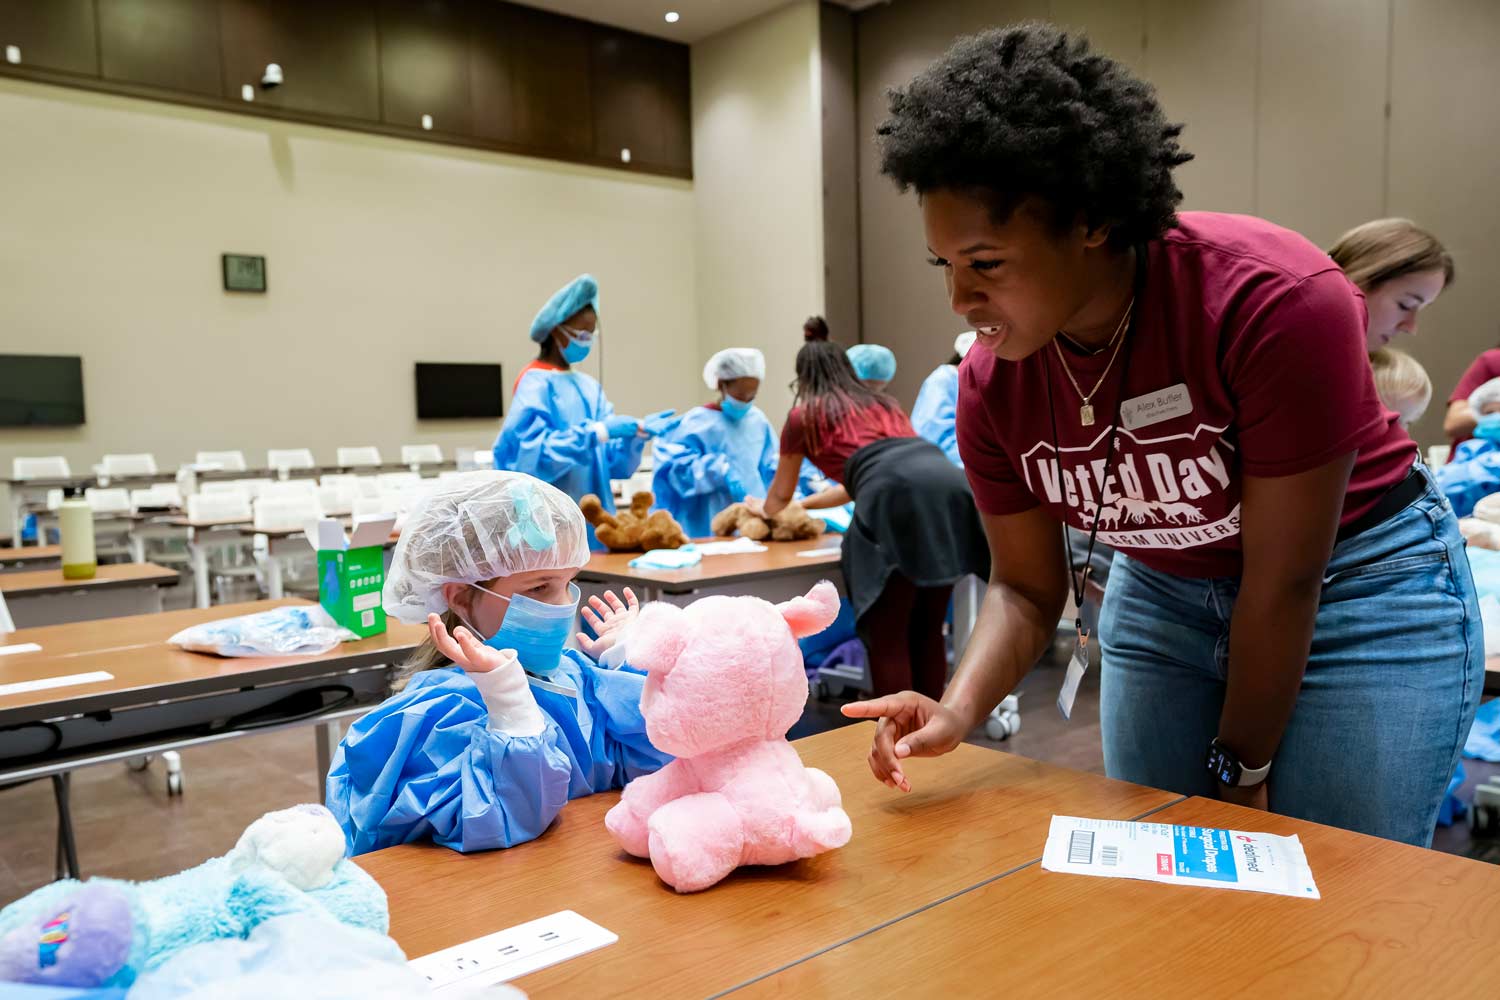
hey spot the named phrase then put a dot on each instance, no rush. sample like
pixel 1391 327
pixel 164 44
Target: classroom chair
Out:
pixel 288 512
pixel 162 496
pixel 338 498
pixel 421 454
pixel 152 539
pixel 252 488
pixel 44 467
pixel 223 488
pixel 228 563
pixel 125 466
pixel 231 504
pixel 396 482
pixel 111 509
pixel 290 488
pixel 385 505
pixel 349 458
pixel 281 460
pixel 229 461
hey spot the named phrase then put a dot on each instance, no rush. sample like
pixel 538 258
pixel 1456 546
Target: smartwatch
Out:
pixel 1224 765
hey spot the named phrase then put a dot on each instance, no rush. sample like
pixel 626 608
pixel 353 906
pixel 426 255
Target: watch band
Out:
pixel 1252 776
pixel 1225 764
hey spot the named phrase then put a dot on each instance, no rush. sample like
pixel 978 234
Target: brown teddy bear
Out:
pixel 638 529
pixel 792 524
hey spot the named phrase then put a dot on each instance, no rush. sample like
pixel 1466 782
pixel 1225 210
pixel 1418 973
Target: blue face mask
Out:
pixel 734 409
pixel 1488 427
pixel 577 348
pixel 536 631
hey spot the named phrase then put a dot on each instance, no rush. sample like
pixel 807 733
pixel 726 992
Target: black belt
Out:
pixel 1396 499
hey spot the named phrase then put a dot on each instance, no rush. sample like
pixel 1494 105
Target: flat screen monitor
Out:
pixel 41 390
pixel 457 392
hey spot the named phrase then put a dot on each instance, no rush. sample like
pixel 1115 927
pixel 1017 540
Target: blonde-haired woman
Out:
pixel 1400 267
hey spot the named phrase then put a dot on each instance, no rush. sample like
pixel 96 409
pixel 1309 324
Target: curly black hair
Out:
pixel 1029 110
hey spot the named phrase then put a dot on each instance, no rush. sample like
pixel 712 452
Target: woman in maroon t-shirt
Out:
pixel 1460 420
pixel 1401 269
pixel 1194 391
pixel 915 531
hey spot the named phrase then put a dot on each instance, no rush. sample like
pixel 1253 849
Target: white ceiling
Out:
pixel 698 18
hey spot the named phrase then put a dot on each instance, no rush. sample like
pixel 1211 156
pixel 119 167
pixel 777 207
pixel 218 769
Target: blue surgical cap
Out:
pixel 569 300
pixel 873 363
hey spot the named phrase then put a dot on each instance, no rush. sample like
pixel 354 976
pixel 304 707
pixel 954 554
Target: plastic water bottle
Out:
pixel 75 520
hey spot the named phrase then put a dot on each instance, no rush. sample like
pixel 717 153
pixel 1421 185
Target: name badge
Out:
pixel 1155 407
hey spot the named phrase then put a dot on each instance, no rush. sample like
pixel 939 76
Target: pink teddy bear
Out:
pixel 724 684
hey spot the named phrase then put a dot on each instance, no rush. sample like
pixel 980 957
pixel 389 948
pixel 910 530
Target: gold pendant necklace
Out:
pixel 1086 409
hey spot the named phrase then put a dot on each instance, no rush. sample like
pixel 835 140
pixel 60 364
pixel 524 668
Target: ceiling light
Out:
pixel 672 17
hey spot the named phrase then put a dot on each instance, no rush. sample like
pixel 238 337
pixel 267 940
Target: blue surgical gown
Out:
pixel 425 764
pixel 1473 475
pixel 695 460
pixel 549 434
pixel 810 480
pixel 935 415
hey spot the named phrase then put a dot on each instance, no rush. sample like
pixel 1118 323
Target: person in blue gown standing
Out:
pixel 561 428
pixel 936 411
pixel 721 451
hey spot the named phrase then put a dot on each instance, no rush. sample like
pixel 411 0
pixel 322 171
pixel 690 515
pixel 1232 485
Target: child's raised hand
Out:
pixel 608 618
pixel 464 649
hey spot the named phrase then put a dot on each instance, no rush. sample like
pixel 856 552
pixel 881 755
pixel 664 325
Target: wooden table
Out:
pixel 155 698
pixel 1394 921
pixel 135 651
pixel 30 557
pixel 45 597
pixel 974 815
pixel 777 574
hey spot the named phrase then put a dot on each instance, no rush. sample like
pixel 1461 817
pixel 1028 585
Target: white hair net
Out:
pixel 733 363
pixel 1486 395
pixel 479 526
pixel 963 342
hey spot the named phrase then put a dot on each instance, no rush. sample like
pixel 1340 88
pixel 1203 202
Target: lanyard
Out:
pixel 1076 577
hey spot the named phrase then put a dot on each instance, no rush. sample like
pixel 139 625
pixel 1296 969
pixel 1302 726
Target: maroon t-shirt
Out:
pixel 859 427
pixel 1248 359
pixel 1484 368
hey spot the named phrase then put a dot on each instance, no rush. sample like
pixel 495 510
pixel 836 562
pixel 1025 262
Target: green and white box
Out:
pixel 351 572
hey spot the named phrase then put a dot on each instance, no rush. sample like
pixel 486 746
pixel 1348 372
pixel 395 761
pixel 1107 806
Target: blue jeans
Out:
pixel 1392 683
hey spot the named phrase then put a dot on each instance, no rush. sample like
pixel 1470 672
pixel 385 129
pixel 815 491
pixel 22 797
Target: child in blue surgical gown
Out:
pixel 496 725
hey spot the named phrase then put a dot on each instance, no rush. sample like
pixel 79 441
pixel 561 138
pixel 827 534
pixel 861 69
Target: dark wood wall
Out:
pixel 488 74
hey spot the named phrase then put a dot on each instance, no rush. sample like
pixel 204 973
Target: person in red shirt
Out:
pixel 1401 269
pixel 915 531
pixel 1460 420
pixel 1194 391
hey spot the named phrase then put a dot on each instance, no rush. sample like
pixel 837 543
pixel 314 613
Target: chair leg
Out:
pixel 67 847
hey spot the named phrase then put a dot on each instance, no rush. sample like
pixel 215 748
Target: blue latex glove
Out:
pixel 734 486
pixel 622 427
pixel 661 423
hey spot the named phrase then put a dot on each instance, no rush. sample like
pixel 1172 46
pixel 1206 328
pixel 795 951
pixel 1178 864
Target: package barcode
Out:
pixel 1109 854
pixel 1081 847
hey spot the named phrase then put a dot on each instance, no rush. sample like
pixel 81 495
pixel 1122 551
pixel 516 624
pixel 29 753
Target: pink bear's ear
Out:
pixel 657 638
pixel 811 614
